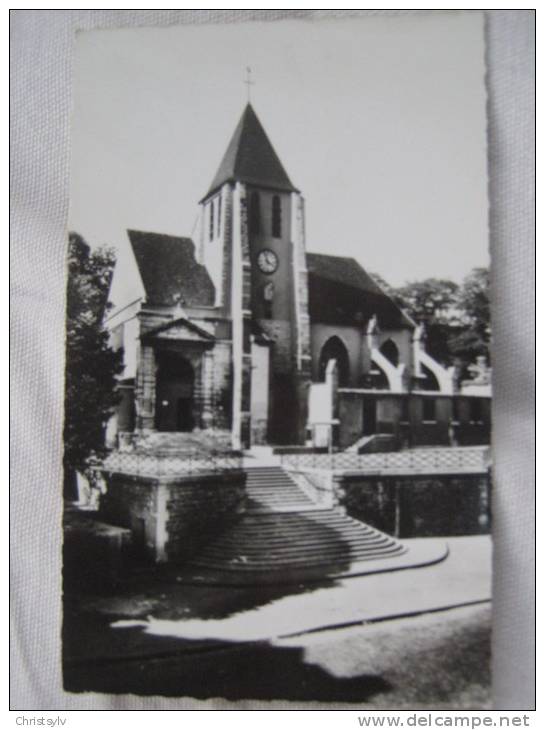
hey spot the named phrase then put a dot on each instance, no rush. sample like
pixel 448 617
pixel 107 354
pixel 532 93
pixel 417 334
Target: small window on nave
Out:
pixel 476 415
pixel 218 227
pixel 276 217
pixel 428 410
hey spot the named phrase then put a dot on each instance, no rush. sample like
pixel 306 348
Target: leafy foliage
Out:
pixel 433 303
pixel 92 366
pixel 456 318
pixel 474 303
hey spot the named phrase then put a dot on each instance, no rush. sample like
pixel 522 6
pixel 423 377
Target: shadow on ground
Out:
pixel 98 657
pixel 134 587
pixel 429 661
pixel 231 671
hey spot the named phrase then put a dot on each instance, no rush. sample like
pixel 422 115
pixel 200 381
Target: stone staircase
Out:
pixel 271 489
pixel 284 536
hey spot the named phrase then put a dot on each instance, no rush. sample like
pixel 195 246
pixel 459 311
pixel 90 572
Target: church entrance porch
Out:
pixel 176 406
pixel 180 379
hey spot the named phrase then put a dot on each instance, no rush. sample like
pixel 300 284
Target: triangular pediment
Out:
pixel 181 329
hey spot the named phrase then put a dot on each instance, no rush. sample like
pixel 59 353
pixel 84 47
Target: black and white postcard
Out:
pixel 277 465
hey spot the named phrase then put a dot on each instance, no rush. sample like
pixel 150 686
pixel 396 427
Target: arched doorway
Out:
pixel 174 393
pixel 390 351
pixel 334 349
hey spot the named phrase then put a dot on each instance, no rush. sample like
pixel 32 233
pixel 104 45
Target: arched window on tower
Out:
pixel 218 228
pixel 276 217
pixel 211 221
pixel 255 213
pixel 268 296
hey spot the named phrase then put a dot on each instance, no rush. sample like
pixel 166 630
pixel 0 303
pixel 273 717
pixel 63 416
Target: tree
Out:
pixel 433 303
pixel 456 318
pixel 92 366
pixel 474 305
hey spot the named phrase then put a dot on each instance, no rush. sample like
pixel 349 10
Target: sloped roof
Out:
pixel 169 271
pixel 250 158
pixel 342 292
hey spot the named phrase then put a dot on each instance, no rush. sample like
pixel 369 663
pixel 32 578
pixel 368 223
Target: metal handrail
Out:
pixel 142 464
pixel 413 460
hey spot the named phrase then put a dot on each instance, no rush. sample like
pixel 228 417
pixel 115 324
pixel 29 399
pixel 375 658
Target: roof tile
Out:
pixel 342 292
pixel 169 270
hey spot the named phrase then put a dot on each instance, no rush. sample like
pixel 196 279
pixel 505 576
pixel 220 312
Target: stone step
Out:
pixel 270 488
pixel 297 531
pixel 287 541
pixel 304 550
pixel 324 533
pixel 276 472
pixel 260 507
pixel 329 515
pixel 280 497
pixel 272 481
pixel 269 482
pixel 241 562
pixel 284 491
pixel 316 555
pixel 297 527
pixel 283 530
pixel 274 488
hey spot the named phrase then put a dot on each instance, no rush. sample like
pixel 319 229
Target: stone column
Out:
pixel 302 354
pixel 241 318
pixel 145 389
pixel 207 416
pixel 222 397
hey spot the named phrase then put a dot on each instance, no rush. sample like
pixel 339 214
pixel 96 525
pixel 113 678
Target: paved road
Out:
pixel 158 643
pixel 432 661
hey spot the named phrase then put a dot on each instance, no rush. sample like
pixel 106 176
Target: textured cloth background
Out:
pixel 42 44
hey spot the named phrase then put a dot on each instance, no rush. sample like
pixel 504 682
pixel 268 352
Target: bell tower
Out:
pixel 253 244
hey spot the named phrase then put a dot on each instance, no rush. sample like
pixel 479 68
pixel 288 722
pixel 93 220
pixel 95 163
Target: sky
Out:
pixel 380 122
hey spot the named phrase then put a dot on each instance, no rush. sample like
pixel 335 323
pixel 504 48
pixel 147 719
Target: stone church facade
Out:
pixel 236 330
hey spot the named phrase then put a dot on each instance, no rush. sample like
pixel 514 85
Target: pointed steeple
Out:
pixel 250 158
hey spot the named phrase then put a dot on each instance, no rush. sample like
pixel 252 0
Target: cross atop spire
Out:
pixel 248 81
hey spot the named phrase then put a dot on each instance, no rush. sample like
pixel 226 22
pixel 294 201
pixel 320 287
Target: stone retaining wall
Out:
pixel 172 517
pixel 418 505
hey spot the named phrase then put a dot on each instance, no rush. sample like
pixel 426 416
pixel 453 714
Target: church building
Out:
pixel 241 329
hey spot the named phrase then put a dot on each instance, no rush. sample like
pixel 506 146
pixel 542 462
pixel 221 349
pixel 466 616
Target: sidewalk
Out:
pixel 176 618
pixel 463 578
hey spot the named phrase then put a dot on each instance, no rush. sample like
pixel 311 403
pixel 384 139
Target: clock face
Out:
pixel 267 261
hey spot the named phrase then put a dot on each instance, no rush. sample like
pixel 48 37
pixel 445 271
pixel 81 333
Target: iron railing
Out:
pixel 157 465
pixel 468 458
